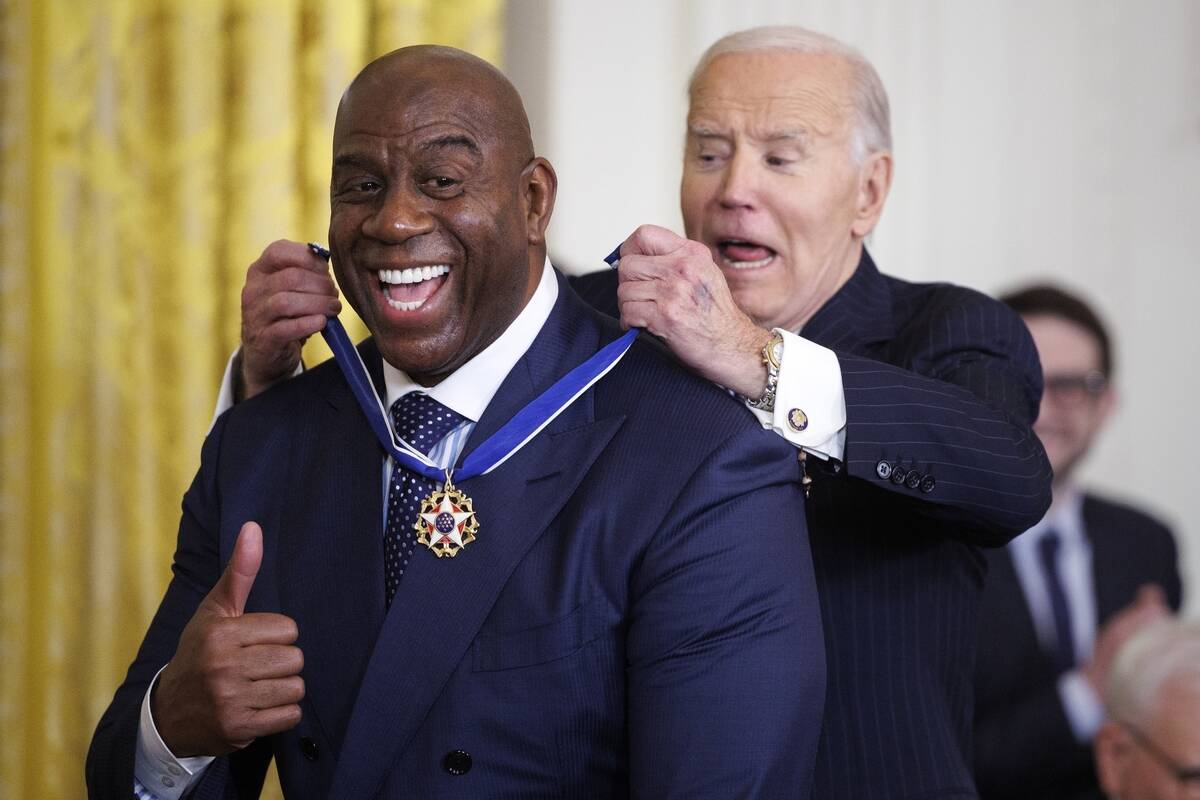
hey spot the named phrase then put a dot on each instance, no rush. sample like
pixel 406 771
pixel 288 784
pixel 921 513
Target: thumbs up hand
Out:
pixel 234 676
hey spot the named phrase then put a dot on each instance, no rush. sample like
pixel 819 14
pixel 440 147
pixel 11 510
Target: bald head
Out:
pixel 417 73
pixel 438 206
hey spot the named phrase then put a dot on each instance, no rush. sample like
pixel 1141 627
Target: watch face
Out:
pixel 775 352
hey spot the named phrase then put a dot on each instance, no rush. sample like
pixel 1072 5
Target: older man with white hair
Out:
pixel 909 405
pixel 1149 749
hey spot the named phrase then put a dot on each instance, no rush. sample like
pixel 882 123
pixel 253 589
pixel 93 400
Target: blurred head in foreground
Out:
pixel 1149 749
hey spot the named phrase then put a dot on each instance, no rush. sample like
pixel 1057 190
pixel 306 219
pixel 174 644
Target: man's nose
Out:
pixel 739 182
pixel 400 215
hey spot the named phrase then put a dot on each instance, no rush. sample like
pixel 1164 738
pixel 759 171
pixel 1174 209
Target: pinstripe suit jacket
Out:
pixel 1024 746
pixel 941 383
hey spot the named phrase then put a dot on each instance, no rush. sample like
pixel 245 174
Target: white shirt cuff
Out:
pixel 225 395
pixel 810 405
pixel 225 399
pixel 1085 712
pixel 155 766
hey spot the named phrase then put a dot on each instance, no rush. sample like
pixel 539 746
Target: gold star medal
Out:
pixel 447 521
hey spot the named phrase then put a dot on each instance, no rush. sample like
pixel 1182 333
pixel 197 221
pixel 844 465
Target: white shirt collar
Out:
pixel 1074 571
pixel 470 388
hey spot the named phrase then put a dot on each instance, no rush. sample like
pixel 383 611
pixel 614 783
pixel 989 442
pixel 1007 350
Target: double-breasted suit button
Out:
pixel 309 748
pixel 927 484
pixel 883 469
pixel 898 475
pixel 914 479
pixel 457 762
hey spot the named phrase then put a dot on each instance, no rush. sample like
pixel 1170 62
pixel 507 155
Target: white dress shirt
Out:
pixel 1084 711
pixel 468 390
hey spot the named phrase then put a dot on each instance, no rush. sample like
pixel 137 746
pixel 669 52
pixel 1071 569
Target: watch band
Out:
pixel 772 358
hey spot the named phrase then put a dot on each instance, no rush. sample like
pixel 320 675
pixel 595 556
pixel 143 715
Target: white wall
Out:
pixel 1058 138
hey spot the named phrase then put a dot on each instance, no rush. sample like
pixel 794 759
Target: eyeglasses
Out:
pixel 1075 389
pixel 1187 777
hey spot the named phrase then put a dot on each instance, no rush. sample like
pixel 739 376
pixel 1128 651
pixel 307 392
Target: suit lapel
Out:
pixel 1020 640
pixel 441 603
pixel 1111 594
pixel 332 538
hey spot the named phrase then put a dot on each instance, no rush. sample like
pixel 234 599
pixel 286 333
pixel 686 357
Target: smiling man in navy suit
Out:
pixel 635 612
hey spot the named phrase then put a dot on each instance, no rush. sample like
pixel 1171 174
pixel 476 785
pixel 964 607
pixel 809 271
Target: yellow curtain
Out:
pixel 149 150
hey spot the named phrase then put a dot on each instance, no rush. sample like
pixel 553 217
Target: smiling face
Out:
pixel 770 184
pixel 1070 416
pixel 438 207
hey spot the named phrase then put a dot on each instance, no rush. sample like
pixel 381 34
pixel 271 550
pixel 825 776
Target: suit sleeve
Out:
pixel 951 431
pixel 726 666
pixel 195 569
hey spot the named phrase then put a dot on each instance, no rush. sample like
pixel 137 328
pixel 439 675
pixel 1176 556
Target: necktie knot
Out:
pixel 1049 546
pixel 422 421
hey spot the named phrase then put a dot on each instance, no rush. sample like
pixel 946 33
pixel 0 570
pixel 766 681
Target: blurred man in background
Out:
pixel 1149 748
pixel 1063 597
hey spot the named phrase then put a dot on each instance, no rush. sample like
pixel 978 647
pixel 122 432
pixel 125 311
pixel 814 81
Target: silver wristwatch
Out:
pixel 772 357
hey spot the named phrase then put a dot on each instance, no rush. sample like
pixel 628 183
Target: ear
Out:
pixel 539 186
pixel 1111 749
pixel 874 181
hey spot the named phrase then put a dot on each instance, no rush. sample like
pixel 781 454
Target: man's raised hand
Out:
pixel 287 296
pixel 235 676
pixel 670 286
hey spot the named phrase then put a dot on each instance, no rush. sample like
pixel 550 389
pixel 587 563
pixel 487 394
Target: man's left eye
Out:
pixel 440 182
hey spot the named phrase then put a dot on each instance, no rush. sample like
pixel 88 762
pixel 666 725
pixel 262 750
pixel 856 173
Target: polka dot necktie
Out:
pixel 422 422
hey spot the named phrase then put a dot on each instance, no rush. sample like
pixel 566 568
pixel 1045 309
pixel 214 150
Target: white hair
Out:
pixel 873 131
pixel 1167 651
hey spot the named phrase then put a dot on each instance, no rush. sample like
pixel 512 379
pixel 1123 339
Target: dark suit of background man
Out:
pixel 622 625
pixel 909 404
pixel 1063 597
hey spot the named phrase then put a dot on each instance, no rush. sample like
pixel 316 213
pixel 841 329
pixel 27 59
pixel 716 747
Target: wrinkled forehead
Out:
pixel 774 89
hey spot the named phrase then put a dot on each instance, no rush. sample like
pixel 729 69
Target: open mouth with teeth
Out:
pixel 409 289
pixel 743 254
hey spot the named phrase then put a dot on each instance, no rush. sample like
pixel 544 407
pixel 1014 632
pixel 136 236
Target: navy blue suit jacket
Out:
pixel 1024 746
pixel 638 616
pixel 941 386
